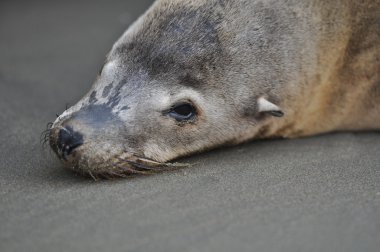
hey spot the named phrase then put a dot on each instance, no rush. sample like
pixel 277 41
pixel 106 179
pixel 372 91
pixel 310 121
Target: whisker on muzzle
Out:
pixel 44 137
pixel 114 167
pixel 123 168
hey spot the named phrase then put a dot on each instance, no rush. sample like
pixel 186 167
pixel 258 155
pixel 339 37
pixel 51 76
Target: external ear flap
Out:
pixel 266 106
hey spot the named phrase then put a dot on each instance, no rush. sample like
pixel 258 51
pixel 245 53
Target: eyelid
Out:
pixel 183 102
pixel 178 103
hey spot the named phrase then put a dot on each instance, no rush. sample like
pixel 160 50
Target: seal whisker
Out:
pixel 49 125
pixel 141 166
pixel 92 176
pixel 148 160
pixel 116 174
pixel 167 164
pixel 44 137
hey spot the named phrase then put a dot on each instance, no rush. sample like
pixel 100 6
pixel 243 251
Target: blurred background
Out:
pixel 312 194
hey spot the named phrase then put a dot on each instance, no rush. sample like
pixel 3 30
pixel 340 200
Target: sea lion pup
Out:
pixel 191 75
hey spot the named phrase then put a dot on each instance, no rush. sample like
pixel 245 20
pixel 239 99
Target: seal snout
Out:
pixel 68 140
pixel 89 140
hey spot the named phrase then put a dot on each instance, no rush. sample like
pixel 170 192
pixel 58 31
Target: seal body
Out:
pixel 193 75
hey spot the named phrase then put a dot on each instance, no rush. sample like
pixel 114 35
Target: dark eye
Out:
pixel 183 112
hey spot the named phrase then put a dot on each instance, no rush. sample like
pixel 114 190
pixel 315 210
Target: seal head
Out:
pixel 160 95
pixel 193 75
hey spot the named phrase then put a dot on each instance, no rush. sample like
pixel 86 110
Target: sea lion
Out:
pixel 190 75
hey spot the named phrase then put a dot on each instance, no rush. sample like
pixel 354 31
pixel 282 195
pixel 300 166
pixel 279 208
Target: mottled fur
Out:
pixel 318 60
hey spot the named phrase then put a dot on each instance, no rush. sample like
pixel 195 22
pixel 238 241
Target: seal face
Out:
pixel 192 75
pixel 149 102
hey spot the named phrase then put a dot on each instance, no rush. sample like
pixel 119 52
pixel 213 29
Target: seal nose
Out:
pixel 68 140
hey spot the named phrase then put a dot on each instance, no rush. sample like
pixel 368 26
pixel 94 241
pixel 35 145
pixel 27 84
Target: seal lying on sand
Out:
pixel 193 75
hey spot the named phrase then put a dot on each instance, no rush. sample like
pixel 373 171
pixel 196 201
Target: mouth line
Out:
pixel 117 167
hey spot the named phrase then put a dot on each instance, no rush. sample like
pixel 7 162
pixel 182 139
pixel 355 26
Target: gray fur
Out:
pixel 306 57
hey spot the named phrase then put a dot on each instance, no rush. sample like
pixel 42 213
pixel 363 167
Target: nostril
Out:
pixel 68 140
